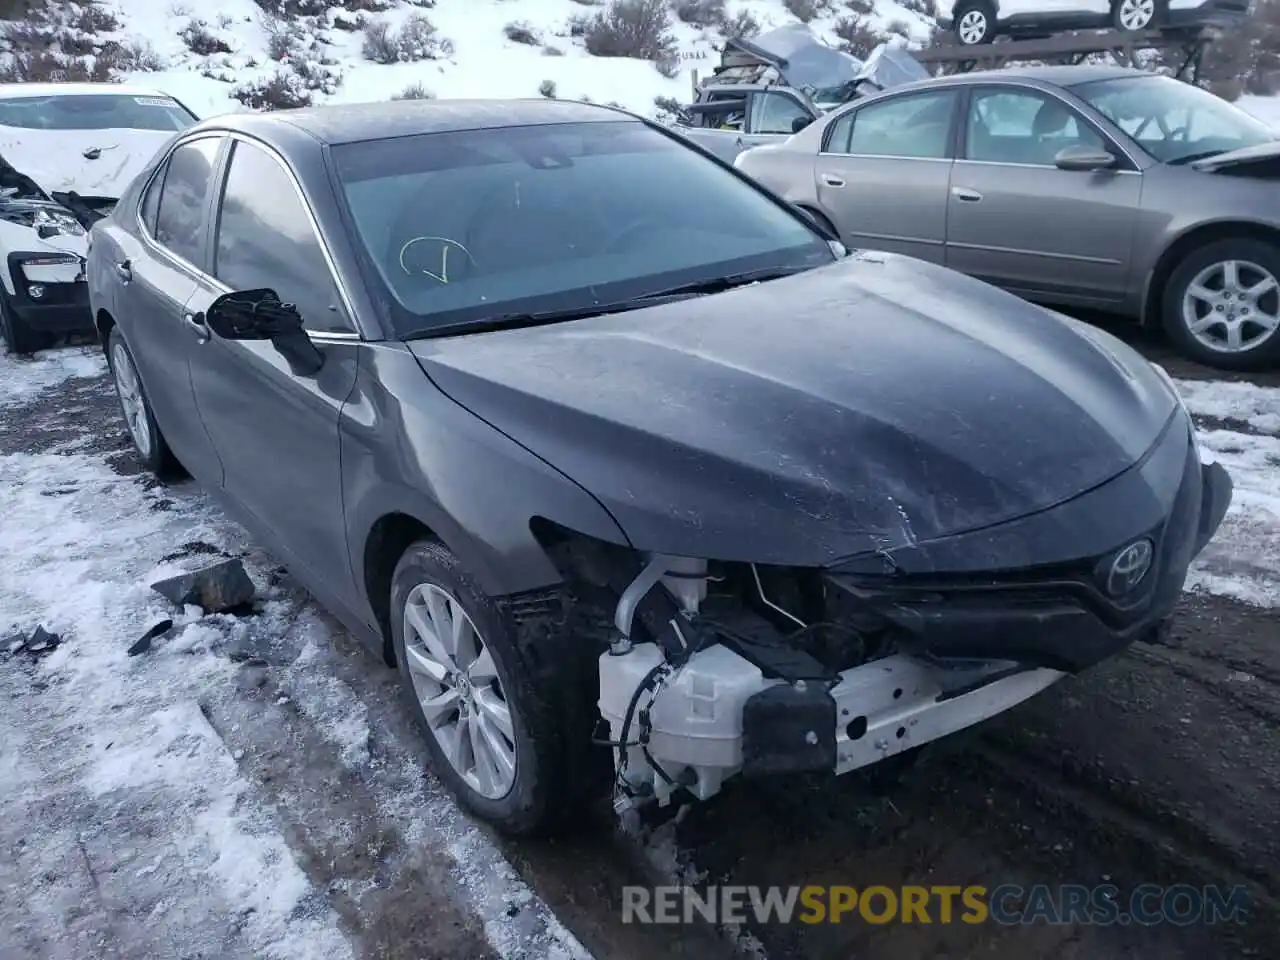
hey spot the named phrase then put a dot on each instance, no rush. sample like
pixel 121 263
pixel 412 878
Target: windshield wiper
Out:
pixel 1193 157
pixel 515 321
pixel 719 284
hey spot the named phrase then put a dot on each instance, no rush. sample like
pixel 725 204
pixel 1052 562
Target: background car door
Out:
pixel 1020 222
pixel 884 171
pixel 771 117
pixel 277 433
pixel 157 274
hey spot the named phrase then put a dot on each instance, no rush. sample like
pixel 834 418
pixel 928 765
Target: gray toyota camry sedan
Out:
pixel 1087 186
pixel 638 477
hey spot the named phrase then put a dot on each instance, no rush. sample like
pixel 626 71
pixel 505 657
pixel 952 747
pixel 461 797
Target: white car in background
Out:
pixel 981 21
pixel 67 150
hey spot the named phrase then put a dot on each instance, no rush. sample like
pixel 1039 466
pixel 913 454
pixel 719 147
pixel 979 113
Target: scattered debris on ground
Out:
pixel 220 587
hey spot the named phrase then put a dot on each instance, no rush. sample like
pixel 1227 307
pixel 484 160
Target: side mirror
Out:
pixel 260 315
pixel 1083 159
pixel 799 123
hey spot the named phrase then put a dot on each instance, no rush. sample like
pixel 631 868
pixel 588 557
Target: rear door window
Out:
pixel 183 199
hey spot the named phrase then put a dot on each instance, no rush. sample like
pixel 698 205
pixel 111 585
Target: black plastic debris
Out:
pixel 221 586
pixel 143 643
pixel 37 643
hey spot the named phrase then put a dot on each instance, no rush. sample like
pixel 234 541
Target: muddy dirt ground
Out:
pixel 1162 765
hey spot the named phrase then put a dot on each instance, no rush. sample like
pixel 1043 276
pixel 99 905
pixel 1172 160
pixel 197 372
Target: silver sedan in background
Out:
pixel 1091 187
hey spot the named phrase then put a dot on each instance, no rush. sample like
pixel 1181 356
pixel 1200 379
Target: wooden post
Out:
pixel 693 76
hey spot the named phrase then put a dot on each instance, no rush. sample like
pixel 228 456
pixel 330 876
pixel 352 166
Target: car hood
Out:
pixel 1238 161
pixel 93 163
pixel 867 405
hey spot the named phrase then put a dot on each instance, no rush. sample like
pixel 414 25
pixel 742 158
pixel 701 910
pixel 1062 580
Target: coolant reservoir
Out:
pixel 697 717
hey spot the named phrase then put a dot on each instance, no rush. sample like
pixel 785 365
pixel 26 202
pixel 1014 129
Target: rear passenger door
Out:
pixel 159 271
pixel 277 431
pixel 884 171
pixel 1019 221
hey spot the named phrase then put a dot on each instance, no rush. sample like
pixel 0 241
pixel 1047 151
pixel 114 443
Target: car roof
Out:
pixel 1058 76
pixel 10 91
pixel 354 122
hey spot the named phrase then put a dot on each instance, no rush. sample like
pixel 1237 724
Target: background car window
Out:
pixel 917 126
pixel 1022 126
pixel 265 239
pixel 97 111
pixel 180 217
pixel 774 113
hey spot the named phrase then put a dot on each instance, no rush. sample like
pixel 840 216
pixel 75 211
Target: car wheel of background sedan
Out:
pixel 1136 14
pixel 975 23
pixel 19 339
pixel 149 443
pixel 1222 305
pixel 504 725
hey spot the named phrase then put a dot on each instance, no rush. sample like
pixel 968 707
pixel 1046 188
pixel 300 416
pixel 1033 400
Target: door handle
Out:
pixel 124 271
pixel 832 181
pixel 195 323
pixel 965 194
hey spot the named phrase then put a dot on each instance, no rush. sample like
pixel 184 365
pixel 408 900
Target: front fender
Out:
pixel 409 449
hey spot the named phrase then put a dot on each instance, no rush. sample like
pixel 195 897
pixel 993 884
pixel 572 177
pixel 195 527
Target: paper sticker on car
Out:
pixel 153 101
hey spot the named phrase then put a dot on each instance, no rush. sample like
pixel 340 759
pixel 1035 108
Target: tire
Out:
pixel 1256 293
pixel 546 685
pixel 140 422
pixel 1137 15
pixel 976 21
pixel 19 339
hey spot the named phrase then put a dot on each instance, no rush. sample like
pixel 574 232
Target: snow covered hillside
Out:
pixel 286 52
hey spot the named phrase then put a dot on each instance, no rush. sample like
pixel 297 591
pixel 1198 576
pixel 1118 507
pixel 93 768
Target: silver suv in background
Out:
pixel 1088 186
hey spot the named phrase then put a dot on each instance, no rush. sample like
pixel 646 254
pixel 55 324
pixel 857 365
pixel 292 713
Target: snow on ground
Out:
pixel 1242 433
pixel 484 63
pixel 126 825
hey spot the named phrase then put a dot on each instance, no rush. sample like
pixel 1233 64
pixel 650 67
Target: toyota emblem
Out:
pixel 1129 567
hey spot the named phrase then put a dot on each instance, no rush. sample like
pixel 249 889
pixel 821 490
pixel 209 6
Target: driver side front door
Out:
pixel 277 432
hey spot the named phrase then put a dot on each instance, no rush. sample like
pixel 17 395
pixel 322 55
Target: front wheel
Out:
pixel 975 23
pixel 1135 15
pixel 1222 305
pixel 504 721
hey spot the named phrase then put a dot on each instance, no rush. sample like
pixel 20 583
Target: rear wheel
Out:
pixel 148 441
pixel 1222 305
pixel 1136 15
pixel 19 338
pixel 975 22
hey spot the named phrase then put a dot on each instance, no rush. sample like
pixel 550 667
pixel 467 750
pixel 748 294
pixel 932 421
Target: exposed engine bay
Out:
pixel 715 670
pixel 23 202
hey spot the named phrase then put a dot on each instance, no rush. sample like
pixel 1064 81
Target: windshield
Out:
pixel 472 225
pixel 1174 121
pixel 95 111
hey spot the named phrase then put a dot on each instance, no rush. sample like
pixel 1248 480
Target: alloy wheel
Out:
pixel 1232 306
pixel 129 389
pixel 458 688
pixel 972 27
pixel 1136 14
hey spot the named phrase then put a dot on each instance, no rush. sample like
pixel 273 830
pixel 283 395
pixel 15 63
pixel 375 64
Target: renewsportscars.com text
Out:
pixel 1007 904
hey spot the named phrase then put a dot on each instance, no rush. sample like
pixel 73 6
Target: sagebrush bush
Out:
pixel 547 88
pixel 700 13
pixel 415 91
pixel 201 40
pixel 741 24
pixel 856 36
pixel 631 28
pixel 417 39
pixel 807 10
pixel 285 90
pixel 522 32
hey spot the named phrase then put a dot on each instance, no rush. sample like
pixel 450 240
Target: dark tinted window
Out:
pixel 95 111
pixel 467 225
pixel 151 200
pixel 265 239
pixel 180 219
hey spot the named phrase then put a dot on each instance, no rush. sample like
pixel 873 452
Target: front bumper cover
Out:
pixel 63 304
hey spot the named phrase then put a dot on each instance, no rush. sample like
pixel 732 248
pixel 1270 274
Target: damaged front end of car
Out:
pixel 719 669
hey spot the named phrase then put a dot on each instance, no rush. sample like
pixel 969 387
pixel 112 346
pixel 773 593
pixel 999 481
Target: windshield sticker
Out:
pixel 152 101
